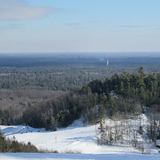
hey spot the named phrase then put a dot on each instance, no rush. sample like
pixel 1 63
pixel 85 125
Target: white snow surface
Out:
pixel 43 156
pixel 69 140
pixel 76 138
pixel 11 130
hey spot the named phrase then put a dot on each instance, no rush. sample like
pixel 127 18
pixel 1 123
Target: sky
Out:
pixel 53 26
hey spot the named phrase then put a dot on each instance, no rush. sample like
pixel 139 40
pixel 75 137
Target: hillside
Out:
pixel 77 138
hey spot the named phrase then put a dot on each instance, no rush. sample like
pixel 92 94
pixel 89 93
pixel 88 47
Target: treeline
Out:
pixel 14 146
pixel 49 77
pixel 13 103
pixel 60 112
pixel 140 87
pixel 124 94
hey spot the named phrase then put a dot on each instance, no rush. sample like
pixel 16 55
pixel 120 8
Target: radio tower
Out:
pixel 107 63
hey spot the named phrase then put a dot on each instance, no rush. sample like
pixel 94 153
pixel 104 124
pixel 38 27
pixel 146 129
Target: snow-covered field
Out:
pixel 76 138
pixel 24 156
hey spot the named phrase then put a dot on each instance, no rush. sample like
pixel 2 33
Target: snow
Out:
pixel 43 156
pixel 11 130
pixel 69 140
pixel 129 130
pixel 77 138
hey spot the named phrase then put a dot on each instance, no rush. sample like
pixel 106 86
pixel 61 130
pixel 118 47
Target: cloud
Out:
pixel 20 10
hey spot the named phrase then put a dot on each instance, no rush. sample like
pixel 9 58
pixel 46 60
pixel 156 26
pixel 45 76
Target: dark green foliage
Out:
pixel 4 117
pixel 144 88
pixel 126 93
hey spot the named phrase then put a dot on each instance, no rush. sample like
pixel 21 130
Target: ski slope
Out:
pixel 76 138
pixel 70 140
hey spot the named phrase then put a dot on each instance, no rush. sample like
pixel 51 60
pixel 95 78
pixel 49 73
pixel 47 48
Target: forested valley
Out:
pixel 52 96
pixel 123 94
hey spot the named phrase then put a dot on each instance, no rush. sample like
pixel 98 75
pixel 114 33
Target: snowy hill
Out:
pixel 76 138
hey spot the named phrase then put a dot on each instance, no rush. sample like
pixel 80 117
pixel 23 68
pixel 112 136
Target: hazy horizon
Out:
pixel 84 54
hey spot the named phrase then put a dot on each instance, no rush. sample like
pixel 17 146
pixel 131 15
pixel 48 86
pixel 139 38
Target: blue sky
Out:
pixel 45 26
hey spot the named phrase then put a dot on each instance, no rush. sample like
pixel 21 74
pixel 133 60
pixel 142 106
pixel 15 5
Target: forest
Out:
pixel 123 94
pixel 53 97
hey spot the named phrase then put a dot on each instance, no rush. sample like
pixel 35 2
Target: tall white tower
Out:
pixel 107 63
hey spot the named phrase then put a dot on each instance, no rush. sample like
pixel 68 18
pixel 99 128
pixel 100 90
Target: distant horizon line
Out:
pixel 84 53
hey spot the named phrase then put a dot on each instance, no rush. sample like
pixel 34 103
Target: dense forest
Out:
pixel 142 88
pixel 56 73
pixel 123 94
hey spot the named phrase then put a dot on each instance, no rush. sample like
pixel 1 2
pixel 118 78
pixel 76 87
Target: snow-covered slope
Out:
pixel 11 130
pixel 76 138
